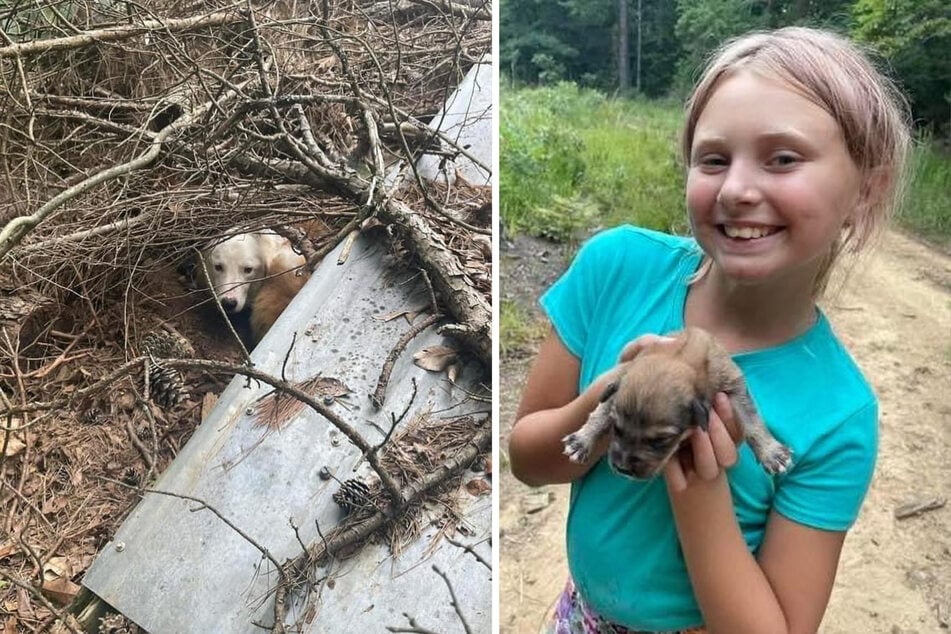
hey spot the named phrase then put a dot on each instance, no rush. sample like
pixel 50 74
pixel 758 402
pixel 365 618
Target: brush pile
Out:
pixel 131 134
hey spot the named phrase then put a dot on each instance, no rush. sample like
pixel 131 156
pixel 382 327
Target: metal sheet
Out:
pixel 467 120
pixel 174 569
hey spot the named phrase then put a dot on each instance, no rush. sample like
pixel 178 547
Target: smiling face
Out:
pixel 770 182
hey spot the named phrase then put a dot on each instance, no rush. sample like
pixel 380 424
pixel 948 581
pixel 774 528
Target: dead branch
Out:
pixel 379 393
pixel 349 535
pixel 454 601
pixel 414 627
pixel 118 33
pixel 471 551
pixel 14 231
pixel 448 278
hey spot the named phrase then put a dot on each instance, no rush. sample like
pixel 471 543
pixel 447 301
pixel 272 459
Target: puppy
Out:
pixel 662 394
pixel 237 265
pixel 244 265
pixel 277 292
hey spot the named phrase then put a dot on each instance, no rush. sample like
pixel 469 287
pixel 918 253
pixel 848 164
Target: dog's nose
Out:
pixel 229 304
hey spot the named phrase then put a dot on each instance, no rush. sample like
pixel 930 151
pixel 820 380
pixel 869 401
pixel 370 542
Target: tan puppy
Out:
pixel 662 394
pixel 256 273
pixel 237 265
pixel 287 275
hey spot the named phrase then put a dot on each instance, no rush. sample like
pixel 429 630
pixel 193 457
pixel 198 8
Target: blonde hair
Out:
pixel 837 75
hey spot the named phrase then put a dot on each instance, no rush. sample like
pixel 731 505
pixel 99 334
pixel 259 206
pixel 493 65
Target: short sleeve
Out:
pixel 827 485
pixel 571 302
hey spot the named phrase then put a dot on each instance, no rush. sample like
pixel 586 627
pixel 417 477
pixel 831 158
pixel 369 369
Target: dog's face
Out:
pixel 655 405
pixel 234 266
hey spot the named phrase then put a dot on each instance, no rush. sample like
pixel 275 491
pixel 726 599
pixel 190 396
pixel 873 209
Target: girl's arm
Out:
pixel 550 409
pixel 786 589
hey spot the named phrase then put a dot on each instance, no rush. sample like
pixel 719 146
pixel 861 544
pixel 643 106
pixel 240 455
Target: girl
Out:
pixel 795 148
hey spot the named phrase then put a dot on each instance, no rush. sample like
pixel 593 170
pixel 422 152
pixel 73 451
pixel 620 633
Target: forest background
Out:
pixel 592 94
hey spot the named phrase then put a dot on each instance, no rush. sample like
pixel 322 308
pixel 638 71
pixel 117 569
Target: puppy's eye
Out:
pixel 248 270
pixel 219 268
pixel 659 442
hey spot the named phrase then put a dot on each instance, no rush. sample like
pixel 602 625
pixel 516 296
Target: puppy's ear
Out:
pixel 609 391
pixel 700 411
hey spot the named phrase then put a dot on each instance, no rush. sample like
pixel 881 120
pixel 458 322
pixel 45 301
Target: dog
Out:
pixel 254 272
pixel 277 292
pixel 664 392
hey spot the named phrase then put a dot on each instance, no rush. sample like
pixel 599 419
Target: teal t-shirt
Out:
pixel 623 550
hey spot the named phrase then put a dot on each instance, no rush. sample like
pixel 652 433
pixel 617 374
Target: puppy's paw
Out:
pixel 577 448
pixel 775 458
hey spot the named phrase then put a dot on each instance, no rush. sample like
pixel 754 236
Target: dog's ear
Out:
pixel 609 391
pixel 700 412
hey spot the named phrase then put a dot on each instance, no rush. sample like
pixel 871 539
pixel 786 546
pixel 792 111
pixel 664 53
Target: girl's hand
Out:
pixel 705 454
pixel 635 347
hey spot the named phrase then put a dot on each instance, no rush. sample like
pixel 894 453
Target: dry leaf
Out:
pixel 370 223
pixel 14 446
pixel 488 466
pixel 435 358
pixel 11 626
pixel 6 549
pixel 326 63
pixel 207 404
pixel 24 605
pixel 453 372
pixel 57 567
pixel 327 386
pixel 61 590
pixel 478 486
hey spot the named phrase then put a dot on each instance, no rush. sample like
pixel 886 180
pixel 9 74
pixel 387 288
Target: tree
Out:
pixel 703 25
pixel 915 38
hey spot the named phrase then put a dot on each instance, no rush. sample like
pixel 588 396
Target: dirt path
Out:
pixel 895 575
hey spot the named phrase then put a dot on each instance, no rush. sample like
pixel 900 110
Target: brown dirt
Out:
pixel 895 575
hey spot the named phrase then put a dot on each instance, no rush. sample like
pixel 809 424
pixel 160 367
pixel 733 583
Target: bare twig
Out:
pixel 455 601
pixel 378 396
pixel 470 550
pixel 38 594
pixel 96 36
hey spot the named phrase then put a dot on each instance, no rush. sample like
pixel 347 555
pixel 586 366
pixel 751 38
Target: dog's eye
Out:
pixel 659 442
pixel 248 270
pixel 219 268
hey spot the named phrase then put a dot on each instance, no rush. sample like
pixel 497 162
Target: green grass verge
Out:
pixel 573 159
pixel 518 329
pixel 927 211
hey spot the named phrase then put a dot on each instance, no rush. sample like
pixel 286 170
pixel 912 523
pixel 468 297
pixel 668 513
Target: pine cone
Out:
pixel 166 342
pixel 353 494
pixel 166 386
pixel 117 624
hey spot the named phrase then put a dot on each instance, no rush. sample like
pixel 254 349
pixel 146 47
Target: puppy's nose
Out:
pixel 229 304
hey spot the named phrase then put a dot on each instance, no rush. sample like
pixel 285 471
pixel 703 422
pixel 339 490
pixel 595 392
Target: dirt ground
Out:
pixel 895 574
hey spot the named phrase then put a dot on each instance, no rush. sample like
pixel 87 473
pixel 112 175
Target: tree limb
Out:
pixel 117 33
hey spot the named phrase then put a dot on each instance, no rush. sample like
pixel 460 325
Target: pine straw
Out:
pixel 417 450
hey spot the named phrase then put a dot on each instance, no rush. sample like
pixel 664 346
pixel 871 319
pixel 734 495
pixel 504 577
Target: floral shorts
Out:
pixel 573 616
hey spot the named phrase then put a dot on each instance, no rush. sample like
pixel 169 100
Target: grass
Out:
pixel 519 331
pixel 926 211
pixel 573 159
